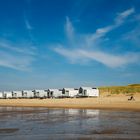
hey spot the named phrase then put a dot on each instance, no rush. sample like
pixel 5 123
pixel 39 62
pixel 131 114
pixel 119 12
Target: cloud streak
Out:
pixel 29 28
pixel 69 29
pixel 28 25
pixel 118 21
pixel 82 55
pixel 125 14
pixel 19 48
pixel 16 56
pixel 110 60
pixel 16 62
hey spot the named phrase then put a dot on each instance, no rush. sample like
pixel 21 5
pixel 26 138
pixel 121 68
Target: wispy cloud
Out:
pixel 19 55
pixel 29 28
pixel 69 29
pixel 19 48
pixel 16 56
pixel 82 55
pixel 110 60
pixel 28 25
pixel 133 36
pixel 125 14
pixel 16 62
pixel 118 21
pixel 73 55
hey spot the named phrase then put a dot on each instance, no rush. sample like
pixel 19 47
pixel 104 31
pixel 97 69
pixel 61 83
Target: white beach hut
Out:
pixel 8 94
pixel 28 94
pixel 17 94
pixel 70 92
pixel 1 95
pixel 88 92
pixel 40 93
pixel 54 93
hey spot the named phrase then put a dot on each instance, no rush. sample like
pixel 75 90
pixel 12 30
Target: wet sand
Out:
pixel 8 130
pixel 102 102
pixel 68 124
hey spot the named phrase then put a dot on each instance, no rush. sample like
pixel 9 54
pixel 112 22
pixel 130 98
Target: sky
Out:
pixel 69 43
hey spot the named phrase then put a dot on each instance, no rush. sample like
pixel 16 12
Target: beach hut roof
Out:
pixel 27 90
pixel 70 88
pixel 38 90
pixel 51 89
pixel 7 92
pixel 16 91
pixel 86 87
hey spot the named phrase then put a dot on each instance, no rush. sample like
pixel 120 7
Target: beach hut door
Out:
pixel 85 92
pixel 51 93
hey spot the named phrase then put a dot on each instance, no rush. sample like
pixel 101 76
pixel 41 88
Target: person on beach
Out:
pixel 131 98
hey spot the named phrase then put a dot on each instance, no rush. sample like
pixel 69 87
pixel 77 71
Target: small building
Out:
pixel 54 93
pixel 40 93
pixel 27 94
pixel 88 92
pixel 70 92
pixel 8 94
pixel 1 95
pixel 17 94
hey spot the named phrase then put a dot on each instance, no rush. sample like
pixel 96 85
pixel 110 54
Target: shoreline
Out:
pixel 64 107
pixel 105 103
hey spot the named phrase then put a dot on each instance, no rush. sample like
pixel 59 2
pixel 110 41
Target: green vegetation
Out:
pixel 129 89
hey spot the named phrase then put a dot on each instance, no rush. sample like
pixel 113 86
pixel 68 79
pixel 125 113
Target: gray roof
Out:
pixel 70 88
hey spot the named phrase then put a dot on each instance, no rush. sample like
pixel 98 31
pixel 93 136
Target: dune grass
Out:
pixel 129 89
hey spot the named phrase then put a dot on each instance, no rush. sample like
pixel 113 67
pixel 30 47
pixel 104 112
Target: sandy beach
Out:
pixel 103 102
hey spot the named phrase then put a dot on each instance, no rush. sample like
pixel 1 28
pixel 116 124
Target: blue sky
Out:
pixel 69 43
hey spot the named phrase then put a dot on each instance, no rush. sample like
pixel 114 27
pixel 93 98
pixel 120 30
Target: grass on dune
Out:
pixel 132 88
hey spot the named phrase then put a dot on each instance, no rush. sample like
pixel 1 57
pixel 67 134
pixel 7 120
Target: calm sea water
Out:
pixel 19 123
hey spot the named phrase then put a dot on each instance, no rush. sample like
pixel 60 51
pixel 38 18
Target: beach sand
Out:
pixel 119 101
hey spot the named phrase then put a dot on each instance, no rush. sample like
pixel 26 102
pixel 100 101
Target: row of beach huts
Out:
pixel 51 93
